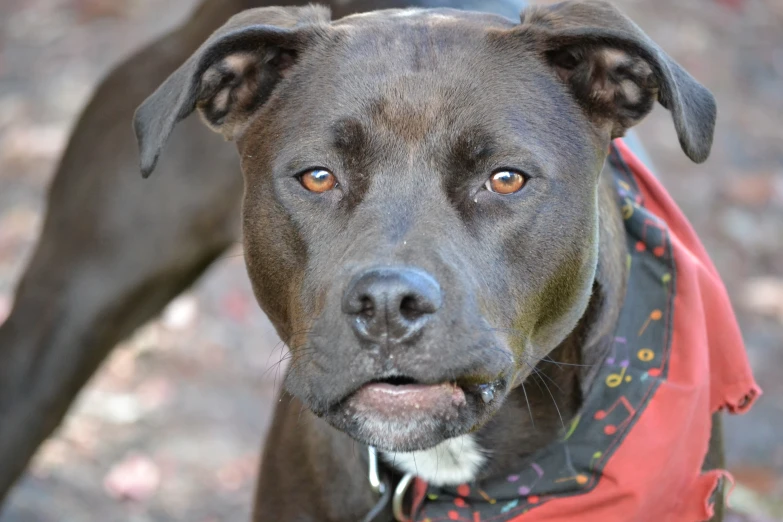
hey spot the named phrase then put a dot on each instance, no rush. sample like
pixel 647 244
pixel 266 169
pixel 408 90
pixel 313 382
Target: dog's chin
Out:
pixel 405 417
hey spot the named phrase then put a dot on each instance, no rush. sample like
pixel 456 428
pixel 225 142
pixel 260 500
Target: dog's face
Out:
pixel 421 206
pixel 402 225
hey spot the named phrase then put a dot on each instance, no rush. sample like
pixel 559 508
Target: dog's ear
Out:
pixel 230 76
pixel 617 73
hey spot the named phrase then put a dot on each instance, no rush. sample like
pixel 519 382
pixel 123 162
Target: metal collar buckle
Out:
pixel 380 487
pixel 376 484
pixel 399 498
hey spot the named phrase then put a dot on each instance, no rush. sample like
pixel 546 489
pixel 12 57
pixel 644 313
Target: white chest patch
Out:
pixel 450 463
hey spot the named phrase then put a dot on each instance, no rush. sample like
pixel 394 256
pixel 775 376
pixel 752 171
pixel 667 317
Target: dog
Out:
pixel 428 220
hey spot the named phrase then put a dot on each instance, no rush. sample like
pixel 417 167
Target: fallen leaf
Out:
pixel 762 480
pixel 756 190
pixel 115 408
pixel 30 142
pixel 137 478
pixel 236 305
pixel 181 313
pixel 155 392
pixel 764 296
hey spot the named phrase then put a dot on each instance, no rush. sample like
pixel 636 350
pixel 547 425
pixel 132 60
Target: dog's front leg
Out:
pixel 312 472
pixel 113 251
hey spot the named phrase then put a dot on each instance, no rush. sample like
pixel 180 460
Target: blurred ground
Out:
pixel 169 429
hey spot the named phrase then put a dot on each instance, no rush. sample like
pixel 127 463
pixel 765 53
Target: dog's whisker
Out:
pixel 529 409
pixel 548 359
pixel 554 402
pixel 230 256
pixel 273 350
pixel 437 461
pixel 540 373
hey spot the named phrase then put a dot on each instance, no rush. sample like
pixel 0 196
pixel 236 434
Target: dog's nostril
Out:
pixel 367 307
pixel 411 308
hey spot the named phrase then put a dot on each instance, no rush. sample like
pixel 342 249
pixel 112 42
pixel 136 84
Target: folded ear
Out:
pixel 230 76
pixel 617 73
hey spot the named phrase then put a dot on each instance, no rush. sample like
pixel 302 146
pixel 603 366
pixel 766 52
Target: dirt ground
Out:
pixel 169 430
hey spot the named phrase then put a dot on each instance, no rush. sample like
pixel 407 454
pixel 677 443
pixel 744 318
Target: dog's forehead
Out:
pixel 420 82
pixel 399 18
pixel 413 31
pixel 416 54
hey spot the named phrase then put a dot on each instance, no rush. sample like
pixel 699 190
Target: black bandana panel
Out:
pixel 631 374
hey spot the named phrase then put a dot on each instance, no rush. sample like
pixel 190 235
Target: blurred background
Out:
pixel 170 427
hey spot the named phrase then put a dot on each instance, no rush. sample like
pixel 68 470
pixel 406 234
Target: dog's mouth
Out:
pixel 395 397
pixel 401 413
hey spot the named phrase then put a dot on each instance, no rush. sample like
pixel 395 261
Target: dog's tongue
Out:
pixel 394 401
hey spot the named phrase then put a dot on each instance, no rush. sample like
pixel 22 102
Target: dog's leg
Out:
pixel 114 248
pixel 715 459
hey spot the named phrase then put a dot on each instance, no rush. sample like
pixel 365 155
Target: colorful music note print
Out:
pixel 508 507
pixel 453 515
pixel 655 315
pixel 611 429
pixel 613 380
pixel 627 209
pixel 486 497
pixel 655 372
pixel 597 455
pixel 525 490
pixel 579 478
pixel 658 250
pixel 572 428
pixel 645 355
pixel 623 344
pixel 627 193
pixel 461 503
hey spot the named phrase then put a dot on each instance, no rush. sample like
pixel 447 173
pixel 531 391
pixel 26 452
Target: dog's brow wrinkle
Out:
pixel 472 147
pixel 348 134
pixel 410 122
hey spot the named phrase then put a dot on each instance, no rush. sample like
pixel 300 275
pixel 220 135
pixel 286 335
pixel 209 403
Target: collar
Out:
pixel 381 487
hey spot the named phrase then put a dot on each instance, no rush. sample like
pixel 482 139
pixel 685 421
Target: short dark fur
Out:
pixel 413 113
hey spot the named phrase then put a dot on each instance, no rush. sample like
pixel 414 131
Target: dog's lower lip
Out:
pixel 391 400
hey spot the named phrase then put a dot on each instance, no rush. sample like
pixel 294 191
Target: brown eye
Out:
pixel 318 180
pixel 505 182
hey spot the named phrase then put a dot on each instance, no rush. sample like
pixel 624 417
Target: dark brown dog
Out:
pixel 425 221
pixel 424 209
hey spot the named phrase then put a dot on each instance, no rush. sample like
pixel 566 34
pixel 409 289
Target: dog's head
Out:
pixel 421 215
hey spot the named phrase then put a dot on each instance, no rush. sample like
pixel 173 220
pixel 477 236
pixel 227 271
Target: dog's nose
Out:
pixel 391 304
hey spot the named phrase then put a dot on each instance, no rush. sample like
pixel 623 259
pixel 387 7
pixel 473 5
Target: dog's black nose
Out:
pixel 391 304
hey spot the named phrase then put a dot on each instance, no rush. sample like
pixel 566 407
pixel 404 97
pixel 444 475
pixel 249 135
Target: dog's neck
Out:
pixel 538 411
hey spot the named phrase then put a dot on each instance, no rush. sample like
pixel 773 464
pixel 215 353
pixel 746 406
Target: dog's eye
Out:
pixel 505 182
pixel 318 180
